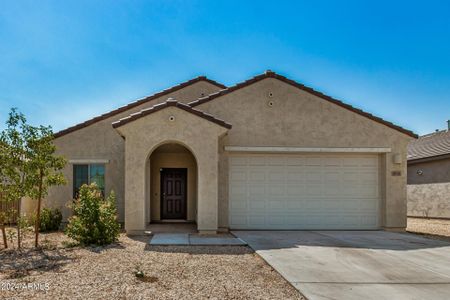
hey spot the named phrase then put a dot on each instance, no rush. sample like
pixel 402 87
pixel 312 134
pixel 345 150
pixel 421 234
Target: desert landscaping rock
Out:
pixel 171 272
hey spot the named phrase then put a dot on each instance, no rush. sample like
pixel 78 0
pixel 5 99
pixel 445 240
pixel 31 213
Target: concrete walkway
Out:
pixel 189 239
pixel 356 264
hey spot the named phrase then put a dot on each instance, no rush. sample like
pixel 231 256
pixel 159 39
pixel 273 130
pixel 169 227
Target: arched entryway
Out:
pixel 152 128
pixel 172 184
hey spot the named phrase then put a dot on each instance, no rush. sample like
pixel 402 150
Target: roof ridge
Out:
pixel 432 134
pixel 170 102
pixel 137 103
pixel 433 145
pixel 271 74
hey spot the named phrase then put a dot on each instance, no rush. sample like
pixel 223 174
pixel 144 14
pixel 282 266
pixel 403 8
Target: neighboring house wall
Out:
pixel 436 171
pixel 429 193
pixel 430 200
pixel 101 141
pixel 300 119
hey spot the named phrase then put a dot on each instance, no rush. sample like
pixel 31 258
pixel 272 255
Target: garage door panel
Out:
pixel 257 161
pixel 304 192
pixel 276 161
pixel 313 189
pixel 257 205
pixel 369 220
pixel 369 205
pixel 293 190
pixel 239 161
pixel 295 205
pixel 313 174
pixel 295 176
pixel 277 175
pixel 238 188
pixel 313 161
pixel 295 161
pixel 238 173
pixel 275 220
pixel 256 189
pixel 332 162
pixel 257 175
pixel 238 204
pixel 257 220
pixel 276 190
pixel 276 205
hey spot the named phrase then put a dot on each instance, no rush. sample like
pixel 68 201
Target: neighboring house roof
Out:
pixel 170 103
pixel 137 103
pixel 434 145
pixel 270 74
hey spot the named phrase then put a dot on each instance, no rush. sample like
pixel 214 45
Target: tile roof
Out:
pixel 170 102
pixel 137 103
pixel 270 74
pixel 433 145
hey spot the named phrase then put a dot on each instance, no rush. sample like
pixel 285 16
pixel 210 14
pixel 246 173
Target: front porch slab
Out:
pixel 166 239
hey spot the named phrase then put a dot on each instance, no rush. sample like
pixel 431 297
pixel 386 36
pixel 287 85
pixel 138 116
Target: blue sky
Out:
pixel 62 62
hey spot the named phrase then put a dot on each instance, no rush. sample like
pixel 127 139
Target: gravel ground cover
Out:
pixel 433 228
pixel 60 271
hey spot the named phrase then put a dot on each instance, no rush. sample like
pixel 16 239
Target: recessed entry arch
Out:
pixel 172 183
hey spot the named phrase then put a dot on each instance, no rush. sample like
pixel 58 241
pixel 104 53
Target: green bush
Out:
pixel 50 219
pixel 95 218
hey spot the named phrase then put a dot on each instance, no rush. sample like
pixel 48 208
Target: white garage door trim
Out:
pixel 304 191
pixel 278 149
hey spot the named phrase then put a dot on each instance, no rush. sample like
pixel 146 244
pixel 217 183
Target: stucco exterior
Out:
pixel 429 189
pixel 299 119
pixel 144 135
pixel 429 200
pixel 101 141
pixel 433 171
pixel 265 113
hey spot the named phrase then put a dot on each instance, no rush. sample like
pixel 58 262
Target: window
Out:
pixel 87 174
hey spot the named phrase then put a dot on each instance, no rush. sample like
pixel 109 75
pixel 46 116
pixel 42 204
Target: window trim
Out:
pixel 93 161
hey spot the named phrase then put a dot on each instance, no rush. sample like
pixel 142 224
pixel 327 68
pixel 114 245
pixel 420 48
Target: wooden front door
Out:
pixel 173 193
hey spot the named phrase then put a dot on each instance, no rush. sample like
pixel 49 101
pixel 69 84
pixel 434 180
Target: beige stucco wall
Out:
pixel 101 141
pixel 300 119
pixel 28 207
pixel 144 135
pixel 172 160
pixel 297 118
pixel 436 171
pixel 431 200
pixel 429 192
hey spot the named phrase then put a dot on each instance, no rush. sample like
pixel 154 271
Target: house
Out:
pixel 429 175
pixel 266 153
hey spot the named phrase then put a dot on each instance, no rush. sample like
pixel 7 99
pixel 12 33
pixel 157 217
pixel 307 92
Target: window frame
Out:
pixel 88 181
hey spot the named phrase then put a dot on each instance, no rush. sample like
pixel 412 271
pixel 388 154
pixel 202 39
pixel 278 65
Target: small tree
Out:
pixel 2 227
pixel 44 167
pixel 95 218
pixel 28 164
pixel 13 165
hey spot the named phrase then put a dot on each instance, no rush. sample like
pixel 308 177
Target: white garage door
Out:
pixel 304 192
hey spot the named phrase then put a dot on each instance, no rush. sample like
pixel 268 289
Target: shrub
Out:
pixel 50 219
pixel 95 218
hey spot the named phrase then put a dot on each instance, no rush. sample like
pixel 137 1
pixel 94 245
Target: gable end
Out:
pixel 137 103
pixel 270 74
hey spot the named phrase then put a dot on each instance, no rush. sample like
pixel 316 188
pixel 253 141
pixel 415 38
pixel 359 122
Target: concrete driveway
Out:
pixel 356 264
